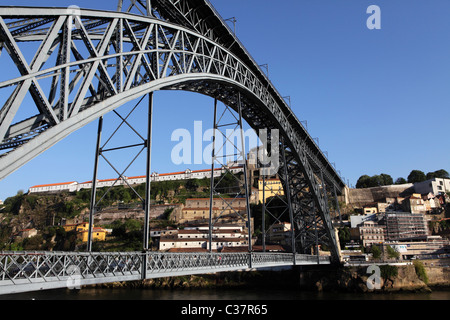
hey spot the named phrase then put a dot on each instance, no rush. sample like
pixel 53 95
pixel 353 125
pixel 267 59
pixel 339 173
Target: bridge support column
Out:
pixel 288 197
pixel 94 185
pixel 263 213
pixel 337 205
pixel 247 202
pixel 211 189
pixel 148 144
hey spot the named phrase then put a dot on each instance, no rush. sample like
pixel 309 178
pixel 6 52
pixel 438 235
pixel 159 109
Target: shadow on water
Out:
pixel 215 294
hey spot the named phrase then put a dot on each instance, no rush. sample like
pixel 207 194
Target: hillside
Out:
pixel 47 212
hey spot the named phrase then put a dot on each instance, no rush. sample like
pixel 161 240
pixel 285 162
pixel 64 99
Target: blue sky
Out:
pixel 378 100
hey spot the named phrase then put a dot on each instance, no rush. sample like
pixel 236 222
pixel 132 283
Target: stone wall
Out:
pixel 367 195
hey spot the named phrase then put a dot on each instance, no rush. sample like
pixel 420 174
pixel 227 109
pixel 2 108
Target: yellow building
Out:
pixel 97 234
pixel 273 188
pixel 82 230
pixel 78 227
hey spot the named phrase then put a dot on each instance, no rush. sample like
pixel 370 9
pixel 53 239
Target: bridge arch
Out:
pixel 130 56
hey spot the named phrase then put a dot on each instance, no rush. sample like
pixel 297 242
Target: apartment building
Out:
pixel 371 233
pixel 198 238
pixel 436 186
pixel 405 226
pixel 224 210
pixel 269 188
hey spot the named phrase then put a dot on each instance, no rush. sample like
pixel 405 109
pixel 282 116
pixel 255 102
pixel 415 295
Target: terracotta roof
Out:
pixel 188 250
pixel 255 248
pixel 53 184
pixel 227 208
pixel 207 199
pixel 137 177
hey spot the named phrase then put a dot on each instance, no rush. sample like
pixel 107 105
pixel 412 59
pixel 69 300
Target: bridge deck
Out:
pixel 25 271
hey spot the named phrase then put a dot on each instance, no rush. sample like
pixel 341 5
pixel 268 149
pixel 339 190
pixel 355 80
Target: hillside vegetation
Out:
pixel 46 212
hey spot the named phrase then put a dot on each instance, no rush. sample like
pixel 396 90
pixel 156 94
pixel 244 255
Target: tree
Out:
pixel 416 176
pixel 191 184
pixel 400 181
pixel 376 252
pixel 375 181
pixel 438 174
pixel 363 182
pixel 386 179
pixel 392 253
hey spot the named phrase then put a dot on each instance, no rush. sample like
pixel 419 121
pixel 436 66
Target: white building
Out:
pixel 198 238
pixel 435 186
pixel 54 187
pixel 155 177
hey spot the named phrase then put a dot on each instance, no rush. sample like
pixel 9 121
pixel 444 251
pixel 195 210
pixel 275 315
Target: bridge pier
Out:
pixel 94 184
pixel 148 144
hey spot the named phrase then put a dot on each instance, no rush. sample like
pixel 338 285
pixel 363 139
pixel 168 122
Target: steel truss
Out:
pixel 88 63
pixel 278 207
pixel 102 150
pixel 226 125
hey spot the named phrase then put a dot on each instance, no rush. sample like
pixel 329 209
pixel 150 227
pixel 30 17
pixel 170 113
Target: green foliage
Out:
pixel 376 252
pixel 167 213
pixel 383 179
pixel 12 204
pixel 127 236
pixel 228 183
pixel 420 271
pixel 191 184
pixel 416 176
pixel 344 236
pixel 388 271
pixel 375 181
pixel 438 174
pixel 392 253
pixel 401 180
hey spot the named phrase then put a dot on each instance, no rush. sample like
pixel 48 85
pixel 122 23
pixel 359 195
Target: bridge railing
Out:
pixel 15 267
pixel 30 271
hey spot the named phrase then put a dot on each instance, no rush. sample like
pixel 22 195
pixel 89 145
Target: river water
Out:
pixel 216 294
pixel 242 303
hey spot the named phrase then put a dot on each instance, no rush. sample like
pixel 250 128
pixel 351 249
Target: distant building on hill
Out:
pixel 436 186
pixel 155 177
pixel 82 230
pixel 196 238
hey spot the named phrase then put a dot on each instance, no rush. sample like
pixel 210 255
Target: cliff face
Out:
pixel 354 279
pixel 438 276
pixel 347 280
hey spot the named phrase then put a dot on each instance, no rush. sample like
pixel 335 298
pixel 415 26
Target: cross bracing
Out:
pixel 87 63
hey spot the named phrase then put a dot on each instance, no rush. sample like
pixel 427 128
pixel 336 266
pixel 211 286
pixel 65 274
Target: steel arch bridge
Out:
pixel 89 62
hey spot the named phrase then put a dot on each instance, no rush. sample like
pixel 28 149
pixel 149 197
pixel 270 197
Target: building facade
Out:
pixel 197 238
pixel 82 230
pixel 224 210
pixel 273 187
pixel 405 226
pixel 436 186
pixel 371 233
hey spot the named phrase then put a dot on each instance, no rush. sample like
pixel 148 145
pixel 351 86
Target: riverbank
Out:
pixel 409 278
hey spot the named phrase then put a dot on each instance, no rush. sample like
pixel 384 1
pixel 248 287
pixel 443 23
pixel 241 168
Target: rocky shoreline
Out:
pixel 354 279
pixel 321 279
